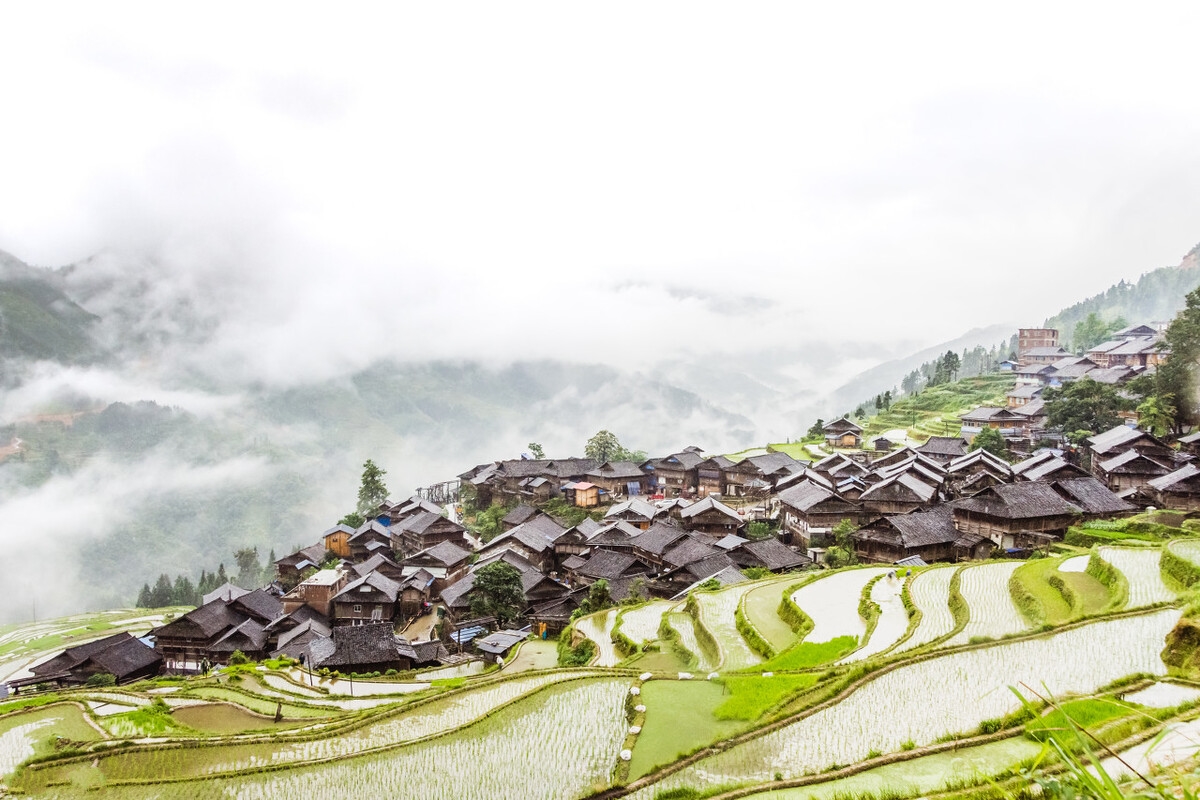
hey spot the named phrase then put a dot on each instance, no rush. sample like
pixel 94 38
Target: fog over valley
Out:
pixel 235 266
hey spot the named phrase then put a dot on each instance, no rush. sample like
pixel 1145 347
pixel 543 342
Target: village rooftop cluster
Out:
pixel 659 528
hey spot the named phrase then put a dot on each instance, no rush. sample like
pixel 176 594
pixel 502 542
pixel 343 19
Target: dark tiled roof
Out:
pixel 806 495
pixel 447 553
pixel 707 567
pixel 356 646
pixel 1092 496
pixel 74 656
pixel 372 580
pixel 208 620
pixel 127 657
pixel 924 528
pixel 775 555
pixel 709 504
pixel 1028 500
pixel 1115 437
pixel 617 470
pixel 944 446
pixel 249 636
pixel 259 604
pixel 1169 481
pixel 609 565
pixel 520 514
pixel 226 591
pixel 658 537
pixel 688 550
pixel 373 563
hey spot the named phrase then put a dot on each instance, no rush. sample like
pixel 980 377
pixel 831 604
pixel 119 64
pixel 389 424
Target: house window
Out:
pixel 357 608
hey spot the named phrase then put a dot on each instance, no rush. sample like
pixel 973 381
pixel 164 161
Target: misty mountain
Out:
pixel 38 320
pixel 1156 296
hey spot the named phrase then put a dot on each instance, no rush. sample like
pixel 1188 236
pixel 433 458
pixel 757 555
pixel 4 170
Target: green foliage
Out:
pixel 1111 577
pixel 537 451
pixel 487 523
pixel 372 491
pixel 756 573
pixel 577 656
pixel 497 592
pixel 1184 571
pixel 238 658
pixel 759 530
pixel 750 697
pixel 810 654
pixel 1084 713
pixel 1084 405
pixel 817 431
pixel 756 642
pixel 101 679
pixel 598 599
pixel 604 446
pixel 1093 330
pixel 991 440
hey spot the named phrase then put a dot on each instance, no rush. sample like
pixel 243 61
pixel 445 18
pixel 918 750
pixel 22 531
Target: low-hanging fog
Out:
pixel 431 236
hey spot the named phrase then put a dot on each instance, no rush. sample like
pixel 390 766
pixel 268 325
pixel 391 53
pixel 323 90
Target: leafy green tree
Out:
pixel 605 446
pixel 249 569
pixel 842 553
pixel 1084 405
pixel 144 597
pixel 537 451
pixel 372 491
pixel 1092 330
pixel 991 440
pixel 1157 414
pixel 758 530
pixel 268 570
pixel 160 595
pixel 353 519
pixel 887 399
pixel 951 364
pixel 598 599
pixel 497 592
pixel 817 431
pixel 183 593
pixel 911 382
pixel 1175 379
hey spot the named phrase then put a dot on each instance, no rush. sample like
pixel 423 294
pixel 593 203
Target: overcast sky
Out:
pixel 484 179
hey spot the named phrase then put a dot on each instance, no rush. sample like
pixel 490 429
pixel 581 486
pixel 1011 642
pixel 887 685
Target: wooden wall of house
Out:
pixel 1178 501
pixel 338 544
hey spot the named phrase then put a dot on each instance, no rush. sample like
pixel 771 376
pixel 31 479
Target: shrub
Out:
pixel 238 658
pixel 101 679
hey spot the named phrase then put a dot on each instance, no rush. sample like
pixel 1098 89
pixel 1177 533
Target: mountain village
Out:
pixel 396 592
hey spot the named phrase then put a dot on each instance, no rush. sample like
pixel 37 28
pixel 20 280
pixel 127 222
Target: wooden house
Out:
pixel 1092 497
pixel 1042 355
pixel 651 545
pixel 290 568
pixel 532 540
pixel 337 540
pixel 120 655
pixel 372 647
pixel 619 478
pixel 674 475
pixel 636 511
pixel 423 531
pixel 188 640
pixel 522 513
pixel 1178 490
pixel 769 554
pixel 370 538
pixel 1006 421
pixel 1112 443
pixel 979 469
pixel 710 475
pixel 1131 469
pixel 929 535
pixel 1190 444
pixel 582 494
pixel 811 511
pixel 943 449
pixel 898 494
pixel 711 516
pixel 317 592
pixel 378 563
pixel 608 565
pixel 416 592
pixel 446 562
pixel 371 598
pixel 1004 513
pixel 843 433
pixel 248 638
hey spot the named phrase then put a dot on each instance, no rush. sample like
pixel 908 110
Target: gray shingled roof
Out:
pixel 1169 481
pixel 688 550
pixel 1028 500
pixel 944 446
pixel 775 555
pixel 658 537
pixel 709 504
pixel 1092 496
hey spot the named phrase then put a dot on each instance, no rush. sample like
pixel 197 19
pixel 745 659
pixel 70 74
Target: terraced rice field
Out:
pixel 1141 570
pixel 989 602
pixel 1074 564
pixel 761 607
pixel 832 603
pixel 1186 548
pixel 490 760
pixel 686 628
pixel 23 735
pixel 435 717
pixel 598 628
pixel 971 687
pixel 930 593
pixel 641 624
pixel 717 611
pixel 893 619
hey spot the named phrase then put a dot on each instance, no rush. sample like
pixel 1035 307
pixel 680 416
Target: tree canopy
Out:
pixel 1084 405
pixel 372 491
pixel 605 446
pixel 497 592
pixel 991 440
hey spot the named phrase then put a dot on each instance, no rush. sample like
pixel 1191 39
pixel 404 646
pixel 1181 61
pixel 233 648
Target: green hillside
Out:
pixel 935 410
pixel 39 321
pixel 1156 297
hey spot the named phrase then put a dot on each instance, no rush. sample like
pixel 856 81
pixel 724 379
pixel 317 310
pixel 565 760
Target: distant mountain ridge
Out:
pixel 37 318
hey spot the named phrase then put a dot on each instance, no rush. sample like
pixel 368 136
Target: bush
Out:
pixel 101 679
pixel 238 658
